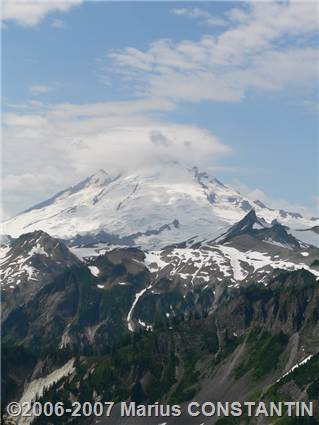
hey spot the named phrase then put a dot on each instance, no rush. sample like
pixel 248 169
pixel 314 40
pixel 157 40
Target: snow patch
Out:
pixel 130 313
pixel 35 389
pixel 235 258
pixel 258 226
pixel 147 327
pixel 94 270
pixel 304 361
pixel 38 249
pixel 154 262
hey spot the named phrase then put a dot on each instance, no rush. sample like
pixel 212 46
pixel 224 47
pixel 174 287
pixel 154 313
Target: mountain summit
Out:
pixel 150 208
pixel 257 228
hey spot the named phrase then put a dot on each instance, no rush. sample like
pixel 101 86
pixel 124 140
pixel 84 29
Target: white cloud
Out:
pixel 110 109
pixel 316 201
pixel 265 47
pixel 311 106
pixel 201 15
pixel 57 23
pixel 37 89
pixel 49 150
pixel 268 46
pixel 271 202
pixel 31 13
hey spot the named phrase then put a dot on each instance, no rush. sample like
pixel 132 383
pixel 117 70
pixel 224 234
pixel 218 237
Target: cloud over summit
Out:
pixel 74 141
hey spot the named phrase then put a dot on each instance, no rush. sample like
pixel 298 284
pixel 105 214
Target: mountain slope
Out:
pixel 247 348
pixel 185 309
pixel 151 208
pixel 222 304
pixel 28 264
pixel 258 229
pixel 126 289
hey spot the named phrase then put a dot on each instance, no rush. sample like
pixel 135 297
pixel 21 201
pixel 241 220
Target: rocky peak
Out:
pixel 259 229
pixel 246 225
pixel 34 257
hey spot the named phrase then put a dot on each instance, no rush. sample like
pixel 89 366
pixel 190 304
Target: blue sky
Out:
pixel 236 81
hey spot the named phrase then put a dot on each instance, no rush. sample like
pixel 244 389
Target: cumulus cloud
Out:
pixel 267 46
pixel 49 150
pixel 31 13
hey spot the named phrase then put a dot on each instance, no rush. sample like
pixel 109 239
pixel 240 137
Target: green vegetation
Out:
pixel 169 363
pixel 301 420
pixel 145 366
pixel 188 385
pixel 263 354
pixel 229 420
pixel 210 340
pixel 230 343
pixel 305 374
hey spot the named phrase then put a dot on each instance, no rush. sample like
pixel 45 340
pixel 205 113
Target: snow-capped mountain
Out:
pixel 33 257
pixel 255 274
pixel 151 208
pixel 27 264
pixel 35 262
pixel 257 228
pixel 249 251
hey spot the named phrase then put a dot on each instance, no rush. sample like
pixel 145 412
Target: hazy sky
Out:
pixel 228 86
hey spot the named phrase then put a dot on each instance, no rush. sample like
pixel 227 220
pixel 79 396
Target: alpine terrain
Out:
pixel 151 208
pixel 164 286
